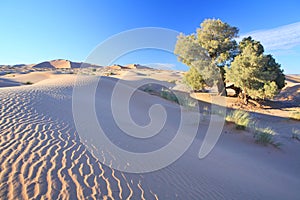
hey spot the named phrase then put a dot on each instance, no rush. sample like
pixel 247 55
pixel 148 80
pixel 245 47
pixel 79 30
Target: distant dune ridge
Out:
pixel 67 64
pixel 54 64
pixel 62 64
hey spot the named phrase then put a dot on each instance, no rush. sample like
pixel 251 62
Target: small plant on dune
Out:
pixel 163 93
pixel 182 99
pixel 148 88
pixel 296 134
pixel 241 119
pixel 172 81
pixel 265 136
pixel 295 116
pixel 28 83
pixel 168 95
pixel 109 73
pixel 186 101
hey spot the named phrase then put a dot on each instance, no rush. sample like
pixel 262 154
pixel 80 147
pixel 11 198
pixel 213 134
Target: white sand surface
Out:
pixel 4 82
pixel 42 157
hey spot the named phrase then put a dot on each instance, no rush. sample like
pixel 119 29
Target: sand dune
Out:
pixel 32 77
pixel 42 156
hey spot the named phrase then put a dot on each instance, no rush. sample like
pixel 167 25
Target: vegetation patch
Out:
pixel 265 136
pixel 28 83
pixel 240 118
pixel 168 95
pixel 148 88
pixel 172 81
pixel 215 58
pixel 186 101
pixel 182 99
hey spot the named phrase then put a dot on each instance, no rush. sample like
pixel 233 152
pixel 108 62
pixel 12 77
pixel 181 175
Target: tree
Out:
pixel 259 76
pixel 209 49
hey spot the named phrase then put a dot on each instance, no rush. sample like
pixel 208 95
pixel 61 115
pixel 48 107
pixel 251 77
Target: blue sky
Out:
pixel 35 31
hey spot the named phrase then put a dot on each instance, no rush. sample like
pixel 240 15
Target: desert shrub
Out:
pixel 163 93
pixel 182 99
pixel 28 83
pixel 109 73
pixel 172 81
pixel 265 136
pixel 295 116
pixel 241 119
pixel 168 95
pixel 147 88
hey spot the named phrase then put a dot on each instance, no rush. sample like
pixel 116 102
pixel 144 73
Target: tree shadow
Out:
pixel 8 83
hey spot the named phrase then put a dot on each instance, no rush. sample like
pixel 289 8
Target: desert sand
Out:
pixel 42 155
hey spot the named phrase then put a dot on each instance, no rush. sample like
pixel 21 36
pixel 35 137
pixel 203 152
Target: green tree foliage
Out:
pixel 258 75
pixel 202 71
pixel 208 51
pixel 194 79
pixel 189 50
pixel 217 38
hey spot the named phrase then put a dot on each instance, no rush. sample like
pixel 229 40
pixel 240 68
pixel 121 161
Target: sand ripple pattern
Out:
pixel 41 156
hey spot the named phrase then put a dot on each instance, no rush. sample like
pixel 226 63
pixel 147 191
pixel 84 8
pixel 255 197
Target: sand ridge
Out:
pixel 42 157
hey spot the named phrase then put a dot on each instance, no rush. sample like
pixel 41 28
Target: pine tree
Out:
pixel 259 76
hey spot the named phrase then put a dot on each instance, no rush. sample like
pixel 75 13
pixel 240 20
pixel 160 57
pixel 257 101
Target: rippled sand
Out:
pixel 42 157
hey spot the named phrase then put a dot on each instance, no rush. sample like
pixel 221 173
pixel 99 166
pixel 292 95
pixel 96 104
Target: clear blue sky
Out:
pixel 35 31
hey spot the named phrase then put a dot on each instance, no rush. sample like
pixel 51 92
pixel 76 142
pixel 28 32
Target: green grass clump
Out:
pixel 163 93
pixel 148 88
pixel 295 116
pixel 265 136
pixel 182 99
pixel 241 119
pixel 168 95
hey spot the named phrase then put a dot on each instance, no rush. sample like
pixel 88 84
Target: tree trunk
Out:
pixel 221 88
pixel 221 83
pixel 244 97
